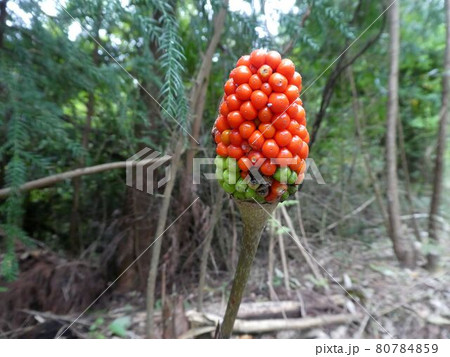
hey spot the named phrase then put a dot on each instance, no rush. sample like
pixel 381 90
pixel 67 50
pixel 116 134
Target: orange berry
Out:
pixel 256 140
pixel 267 129
pixel 235 138
pixel 254 156
pixel 296 80
pixel 299 101
pixel 281 121
pixel 278 102
pixel 221 123
pixel 302 168
pixel 246 129
pixel 295 145
pixel 255 82
pixel 258 58
pixel 233 102
pixel 253 69
pixel 225 136
pixel 243 61
pixel 243 92
pixel 286 68
pixel 245 146
pixel 304 151
pixel 278 188
pixel 217 137
pixel 235 152
pixel 301 115
pixel 306 138
pixel 224 109
pixel 265 72
pixel 271 197
pixel 302 132
pixel 294 127
pixel 266 88
pixel 291 92
pixel 283 137
pixel 278 82
pixel 265 115
pixel 248 111
pixel 241 74
pixel 222 150
pixel 292 110
pixel 259 99
pixel 285 154
pixel 229 86
pixel 244 163
pixel 270 148
pixel 297 164
pixel 235 119
pixel 273 59
pixel 267 168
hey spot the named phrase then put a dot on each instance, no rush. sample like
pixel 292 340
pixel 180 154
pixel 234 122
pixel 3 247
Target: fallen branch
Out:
pixel 266 309
pixel 54 179
pixel 263 326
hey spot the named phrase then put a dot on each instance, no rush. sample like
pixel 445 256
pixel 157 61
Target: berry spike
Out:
pixel 261 112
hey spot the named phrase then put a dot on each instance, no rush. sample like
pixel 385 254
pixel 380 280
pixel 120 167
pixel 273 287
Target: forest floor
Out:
pixel 367 282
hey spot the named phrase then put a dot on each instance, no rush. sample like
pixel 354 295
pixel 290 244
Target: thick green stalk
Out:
pixel 254 217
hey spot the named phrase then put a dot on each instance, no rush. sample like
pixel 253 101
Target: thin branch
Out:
pixel 54 179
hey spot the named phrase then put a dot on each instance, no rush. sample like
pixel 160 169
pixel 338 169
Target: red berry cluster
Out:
pixel 261 116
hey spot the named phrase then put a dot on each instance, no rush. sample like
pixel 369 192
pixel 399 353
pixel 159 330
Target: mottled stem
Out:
pixel 254 217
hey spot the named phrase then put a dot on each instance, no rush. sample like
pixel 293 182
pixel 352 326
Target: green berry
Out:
pixel 226 175
pixel 219 162
pixel 292 189
pixel 285 196
pixel 292 178
pixel 249 193
pixel 228 187
pixel 232 165
pixel 239 195
pixel 260 199
pixel 219 173
pixel 282 174
pixel 241 186
pixel 230 177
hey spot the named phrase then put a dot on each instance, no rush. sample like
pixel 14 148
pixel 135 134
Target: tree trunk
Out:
pixel 198 93
pixel 74 229
pixel 432 258
pixel 163 212
pixel 197 102
pixel 403 247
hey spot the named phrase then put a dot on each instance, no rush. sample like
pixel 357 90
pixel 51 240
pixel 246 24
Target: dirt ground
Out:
pixel 357 279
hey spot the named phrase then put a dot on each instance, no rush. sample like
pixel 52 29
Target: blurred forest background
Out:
pixel 80 83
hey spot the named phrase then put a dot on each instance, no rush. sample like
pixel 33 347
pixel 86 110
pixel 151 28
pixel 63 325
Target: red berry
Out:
pixel 270 148
pixel 256 140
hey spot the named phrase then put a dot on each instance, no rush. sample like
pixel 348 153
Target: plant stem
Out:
pixel 254 217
